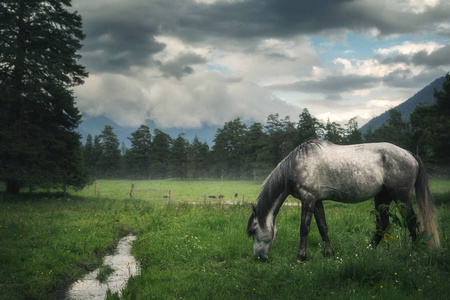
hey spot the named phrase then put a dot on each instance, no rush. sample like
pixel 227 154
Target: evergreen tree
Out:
pixel 228 149
pixel 334 132
pixel 257 152
pixel 96 156
pixel 199 158
pixel 178 157
pixel 431 126
pixel 88 154
pixel 308 127
pixel 138 157
pixel 39 41
pixel 109 161
pixel 369 137
pixel 160 154
pixel 353 134
pixel 396 131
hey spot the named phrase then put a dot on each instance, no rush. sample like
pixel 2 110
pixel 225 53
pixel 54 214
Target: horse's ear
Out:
pixel 254 209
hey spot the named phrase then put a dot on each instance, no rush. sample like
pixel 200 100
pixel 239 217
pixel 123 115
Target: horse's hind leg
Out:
pixel 382 200
pixel 319 214
pixel 410 218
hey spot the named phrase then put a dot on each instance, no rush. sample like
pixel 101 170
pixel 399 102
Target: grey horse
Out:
pixel 320 170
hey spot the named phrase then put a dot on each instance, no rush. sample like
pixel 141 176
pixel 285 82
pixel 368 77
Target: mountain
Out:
pixel 95 125
pixel 424 96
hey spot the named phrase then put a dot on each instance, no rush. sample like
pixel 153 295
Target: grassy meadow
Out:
pixel 49 240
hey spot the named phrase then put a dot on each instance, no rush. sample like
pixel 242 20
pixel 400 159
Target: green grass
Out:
pixel 201 251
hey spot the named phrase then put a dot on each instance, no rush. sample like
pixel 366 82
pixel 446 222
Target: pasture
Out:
pixel 186 250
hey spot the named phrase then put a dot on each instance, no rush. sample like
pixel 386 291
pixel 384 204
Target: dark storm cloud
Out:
pixel 439 57
pixel 181 65
pixel 121 34
pixel 285 18
pixel 330 85
pixel 436 58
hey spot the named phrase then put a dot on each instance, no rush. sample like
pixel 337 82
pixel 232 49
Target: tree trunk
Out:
pixel 12 187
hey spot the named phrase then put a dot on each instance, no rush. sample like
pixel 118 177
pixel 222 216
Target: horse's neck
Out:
pixel 273 211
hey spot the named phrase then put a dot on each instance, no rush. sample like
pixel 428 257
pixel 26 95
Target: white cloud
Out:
pixel 206 97
pixel 410 48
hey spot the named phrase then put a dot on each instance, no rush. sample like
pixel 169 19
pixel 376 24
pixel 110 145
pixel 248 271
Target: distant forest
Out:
pixel 243 151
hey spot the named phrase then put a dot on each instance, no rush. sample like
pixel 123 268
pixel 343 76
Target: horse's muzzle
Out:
pixel 261 257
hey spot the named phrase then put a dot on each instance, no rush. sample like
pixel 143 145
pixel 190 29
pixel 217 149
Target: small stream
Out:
pixel 124 265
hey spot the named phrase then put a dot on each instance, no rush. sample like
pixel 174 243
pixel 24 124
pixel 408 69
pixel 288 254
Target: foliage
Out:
pixel 239 151
pixel 431 126
pixel 138 156
pixel 39 41
pixel 109 160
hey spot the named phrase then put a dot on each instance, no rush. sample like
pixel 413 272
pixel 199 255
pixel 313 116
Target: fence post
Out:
pixel 132 190
pixel 243 202
pixel 168 197
pixel 204 199
pixel 96 189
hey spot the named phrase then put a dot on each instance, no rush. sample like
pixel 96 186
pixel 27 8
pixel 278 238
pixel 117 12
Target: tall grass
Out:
pixel 201 251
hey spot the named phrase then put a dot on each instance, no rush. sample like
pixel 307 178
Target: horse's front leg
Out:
pixel 307 212
pixel 319 214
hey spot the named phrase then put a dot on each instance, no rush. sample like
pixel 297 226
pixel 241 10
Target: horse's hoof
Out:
pixel 300 260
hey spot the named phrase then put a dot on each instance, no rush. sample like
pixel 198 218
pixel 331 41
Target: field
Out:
pixel 187 250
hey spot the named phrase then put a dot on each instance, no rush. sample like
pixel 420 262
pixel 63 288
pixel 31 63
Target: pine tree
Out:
pixel 160 153
pixel 178 157
pixel 88 153
pixel 39 41
pixel 198 158
pixel 308 127
pixel 109 161
pixel 431 126
pixel 138 157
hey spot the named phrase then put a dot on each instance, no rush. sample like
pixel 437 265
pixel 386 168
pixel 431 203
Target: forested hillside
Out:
pixel 424 96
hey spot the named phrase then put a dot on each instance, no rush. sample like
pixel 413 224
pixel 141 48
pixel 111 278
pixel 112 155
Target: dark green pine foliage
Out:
pixel 160 154
pixel 334 132
pixel 431 127
pixel 257 152
pixel 178 158
pixel 39 41
pixel 353 134
pixel 198 155
pixel 228 149
pixel 396 131
pixel 109 161
pixel 308 127
pixel 138 156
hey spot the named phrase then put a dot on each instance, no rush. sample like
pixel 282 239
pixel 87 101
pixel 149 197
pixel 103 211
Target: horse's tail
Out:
pixel 425 203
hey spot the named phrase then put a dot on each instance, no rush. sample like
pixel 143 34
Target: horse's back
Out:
pixel 355 173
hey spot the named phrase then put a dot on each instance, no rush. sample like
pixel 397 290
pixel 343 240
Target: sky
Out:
pixel 187 63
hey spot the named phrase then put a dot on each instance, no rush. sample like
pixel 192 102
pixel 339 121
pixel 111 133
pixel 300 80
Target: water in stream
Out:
pixel 124 265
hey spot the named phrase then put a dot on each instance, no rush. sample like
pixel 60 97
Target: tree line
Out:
pixel 250 151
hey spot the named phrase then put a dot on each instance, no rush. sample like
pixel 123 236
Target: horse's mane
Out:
pixel 279 179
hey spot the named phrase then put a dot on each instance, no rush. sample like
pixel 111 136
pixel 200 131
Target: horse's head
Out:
pixel 263 235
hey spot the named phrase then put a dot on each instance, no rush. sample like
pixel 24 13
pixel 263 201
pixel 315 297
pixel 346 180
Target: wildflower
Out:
pixel 381 286
pixel 395 273
pixel 419 290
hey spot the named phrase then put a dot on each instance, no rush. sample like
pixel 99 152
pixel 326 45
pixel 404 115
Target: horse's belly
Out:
pixel 351 189
pixel 347 196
